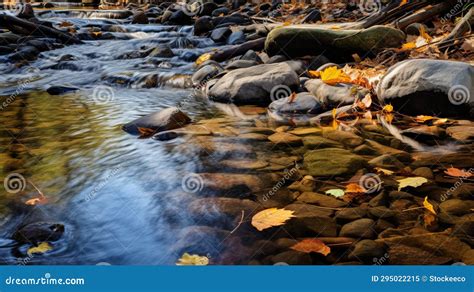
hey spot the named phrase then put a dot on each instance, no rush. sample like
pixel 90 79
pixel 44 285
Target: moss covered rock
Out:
pixel 301 40
pixel 332 161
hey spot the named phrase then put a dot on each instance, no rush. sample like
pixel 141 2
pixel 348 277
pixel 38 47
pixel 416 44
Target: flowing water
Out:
pixel 113 192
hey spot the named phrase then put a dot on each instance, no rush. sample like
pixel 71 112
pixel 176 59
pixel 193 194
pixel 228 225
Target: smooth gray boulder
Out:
pixel 164 120
pixel 430 87
pixel 301 103
pixel 335 95
pixel 253 85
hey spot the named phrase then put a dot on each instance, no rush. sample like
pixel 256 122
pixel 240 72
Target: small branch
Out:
pixel 240 223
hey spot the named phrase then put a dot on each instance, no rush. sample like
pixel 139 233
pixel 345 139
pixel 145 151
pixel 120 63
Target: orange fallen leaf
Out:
pixel 312 245
pixel 146 132
pixel 429 219
pixel 403 2
pixel 456 172
pixel 37 201
pixel 408 46
pixel 354 188
pixel 314 74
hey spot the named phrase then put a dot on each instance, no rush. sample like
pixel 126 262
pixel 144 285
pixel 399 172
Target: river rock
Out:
pixel 180 18
pixel 310 220
pixel 164 120
pixel 253 85
pixel 163 51
pixel 204 74
pixel 335 95
pixel 139 18
pixel 316 142
pixel 313 16
pixel 58 90
pixel 285 138
pixel 347 138
pixel 39 232
pixel 457 207
pixel 203 25
pixel 461 133
pixel 321 200
pixel 362 228
pixel 207 8
pixel 367 250
pixel 332 162
pixel 237 64
pixel 429 87
pixel 351 213
pixel 301 103
pixel 301 40
pixel 220 35
pixel 236 38
pixel 221 11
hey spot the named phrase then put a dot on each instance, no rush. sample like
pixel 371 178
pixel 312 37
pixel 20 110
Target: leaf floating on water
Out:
pixel 411 182
pixel 335 193
pixel 40 249
pixel 270 218
pixel 192 260
pixel 312 245
pixel 37 201
pixel 41 200
pixel 428 206
pixel 456 172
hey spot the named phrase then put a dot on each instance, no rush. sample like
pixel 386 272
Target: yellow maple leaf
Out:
pixel 411 182
pixel 203 58
pixel 41 248
pixel 428 206
pixel 271 217
pixel 333 75
pixel 192 260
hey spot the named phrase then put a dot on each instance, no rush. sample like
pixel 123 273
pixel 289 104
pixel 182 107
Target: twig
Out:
pixel 240 222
